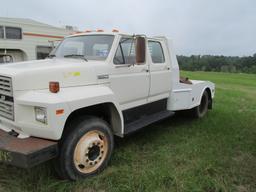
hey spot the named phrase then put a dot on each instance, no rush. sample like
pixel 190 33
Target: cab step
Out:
pixel 145 121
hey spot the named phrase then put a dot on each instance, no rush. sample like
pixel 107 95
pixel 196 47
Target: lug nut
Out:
pixel 90 163
pixel 95 162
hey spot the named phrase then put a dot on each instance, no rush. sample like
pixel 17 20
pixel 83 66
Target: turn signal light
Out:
pixel 59 111
pixel 54 87
pixel 100 30
pixel 88 31
pixel 115 31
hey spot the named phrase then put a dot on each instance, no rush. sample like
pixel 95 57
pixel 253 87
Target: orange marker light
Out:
pixel 115 31
pixel 59 111
pixel 88 31
pixel 54 87
pixel 100 30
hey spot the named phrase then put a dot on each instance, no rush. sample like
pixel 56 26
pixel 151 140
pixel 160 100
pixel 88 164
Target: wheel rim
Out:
pixel 90 151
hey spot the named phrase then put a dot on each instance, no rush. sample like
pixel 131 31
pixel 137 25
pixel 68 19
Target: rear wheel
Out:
pixel 85 150
pixel 202 109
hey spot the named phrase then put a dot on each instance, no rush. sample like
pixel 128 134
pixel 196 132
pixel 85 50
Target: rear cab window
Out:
pixel 156 52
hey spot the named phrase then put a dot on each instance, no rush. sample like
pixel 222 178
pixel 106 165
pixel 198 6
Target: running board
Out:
pixel 145 121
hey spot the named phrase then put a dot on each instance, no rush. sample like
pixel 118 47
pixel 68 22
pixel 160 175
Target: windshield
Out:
pixel 91 47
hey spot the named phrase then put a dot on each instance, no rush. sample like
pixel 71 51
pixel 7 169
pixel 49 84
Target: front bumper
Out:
pixel 27 152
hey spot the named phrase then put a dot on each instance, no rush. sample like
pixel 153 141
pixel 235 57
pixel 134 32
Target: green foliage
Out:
pixel 214 154
pixel 218 63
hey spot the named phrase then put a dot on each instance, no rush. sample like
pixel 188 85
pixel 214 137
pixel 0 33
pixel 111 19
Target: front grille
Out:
pixel 6 98
pixel 6 86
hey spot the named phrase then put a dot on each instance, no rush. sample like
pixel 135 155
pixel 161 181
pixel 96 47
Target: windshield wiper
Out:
pixel 76 55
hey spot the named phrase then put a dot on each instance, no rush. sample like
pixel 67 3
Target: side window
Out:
pixel 13 33
pixel 1 32
pixel 156 52
pixel 125 53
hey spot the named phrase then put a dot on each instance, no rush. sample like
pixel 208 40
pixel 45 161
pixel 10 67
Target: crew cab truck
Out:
pixel 93 86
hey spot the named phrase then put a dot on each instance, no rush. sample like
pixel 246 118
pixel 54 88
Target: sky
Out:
pixel 217 27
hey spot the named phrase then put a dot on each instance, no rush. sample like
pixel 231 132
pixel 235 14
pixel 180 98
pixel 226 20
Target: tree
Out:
pixel 218 63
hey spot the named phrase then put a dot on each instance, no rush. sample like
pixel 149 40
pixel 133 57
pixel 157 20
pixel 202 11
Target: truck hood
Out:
pixel 37 74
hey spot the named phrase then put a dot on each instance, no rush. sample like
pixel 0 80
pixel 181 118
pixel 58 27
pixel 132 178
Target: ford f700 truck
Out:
pixel 93 86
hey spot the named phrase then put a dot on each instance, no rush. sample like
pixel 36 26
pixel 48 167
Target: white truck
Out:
pixel 93 86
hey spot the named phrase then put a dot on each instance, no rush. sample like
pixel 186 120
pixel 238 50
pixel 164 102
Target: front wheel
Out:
pixel 201 110
pixel 86 150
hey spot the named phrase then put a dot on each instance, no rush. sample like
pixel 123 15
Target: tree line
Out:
pixel 246 64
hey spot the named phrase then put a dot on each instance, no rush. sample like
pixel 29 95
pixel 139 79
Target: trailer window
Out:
pixel 125 53
pixel 13 33
pixel 43 51
pixel 156 52
pixel 1 32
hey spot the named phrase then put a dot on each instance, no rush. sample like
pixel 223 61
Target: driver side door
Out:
pixel 130 80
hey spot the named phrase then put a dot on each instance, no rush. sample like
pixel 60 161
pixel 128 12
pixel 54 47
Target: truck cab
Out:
pixel 93 86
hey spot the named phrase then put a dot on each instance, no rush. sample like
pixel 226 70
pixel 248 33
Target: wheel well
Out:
pixel 209 97
pixel 105 111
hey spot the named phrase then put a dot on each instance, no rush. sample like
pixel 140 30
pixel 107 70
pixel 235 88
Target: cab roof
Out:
pixel 110 33
pixel 98 33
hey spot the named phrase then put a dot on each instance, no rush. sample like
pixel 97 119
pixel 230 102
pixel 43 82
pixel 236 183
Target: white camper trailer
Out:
pixel 26 39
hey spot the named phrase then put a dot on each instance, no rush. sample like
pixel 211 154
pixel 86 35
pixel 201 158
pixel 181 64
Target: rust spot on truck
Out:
pixel 25 152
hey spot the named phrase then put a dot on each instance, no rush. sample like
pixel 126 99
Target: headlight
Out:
pixel 41 114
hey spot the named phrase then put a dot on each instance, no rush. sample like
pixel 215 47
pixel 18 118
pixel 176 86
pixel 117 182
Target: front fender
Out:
pixel 69 99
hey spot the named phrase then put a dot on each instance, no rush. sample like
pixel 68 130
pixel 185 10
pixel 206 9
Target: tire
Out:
pixel 85 150
pixel 201 110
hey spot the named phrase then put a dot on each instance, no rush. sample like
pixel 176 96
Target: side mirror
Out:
pixel 140 50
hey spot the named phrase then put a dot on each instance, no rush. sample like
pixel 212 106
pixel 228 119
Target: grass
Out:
pixel 213 154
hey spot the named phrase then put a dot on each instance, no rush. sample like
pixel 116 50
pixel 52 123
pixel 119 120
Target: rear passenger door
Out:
pixel 160 74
